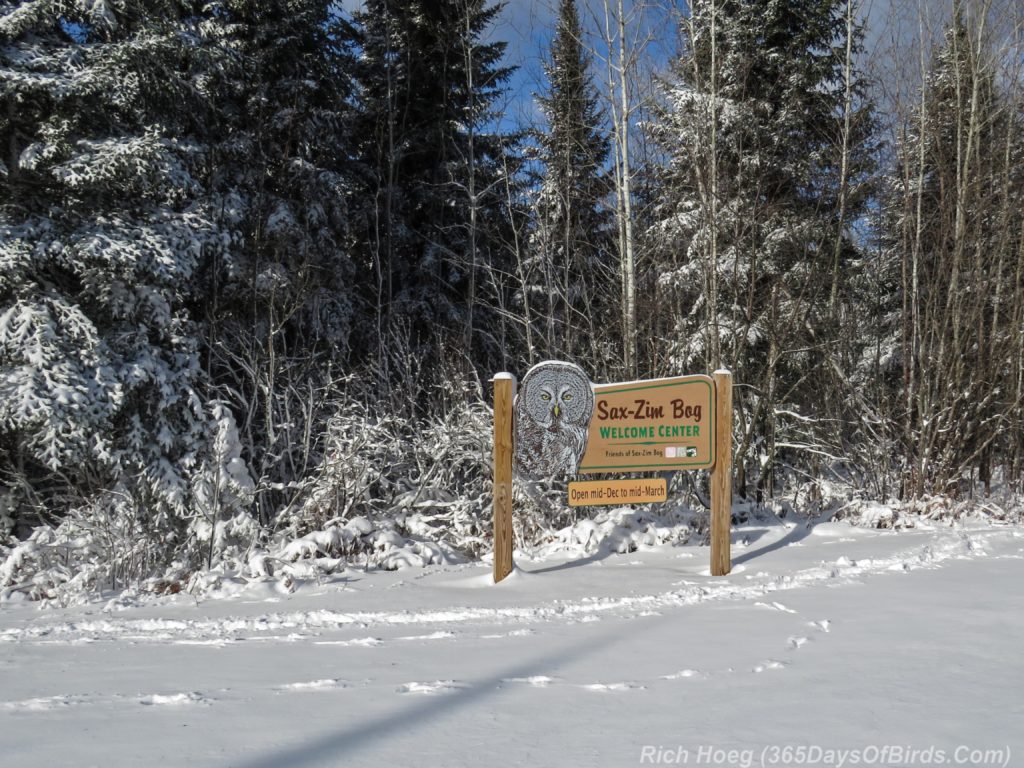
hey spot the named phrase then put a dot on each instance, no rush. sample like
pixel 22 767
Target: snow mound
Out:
pixel 618 530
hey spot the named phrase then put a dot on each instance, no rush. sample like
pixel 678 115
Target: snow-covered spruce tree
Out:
pixel 278 304
pixel 955 235
pixel 101 228
pixel 766 127
pixel 435 211
pixel 223 490
pixel 573 269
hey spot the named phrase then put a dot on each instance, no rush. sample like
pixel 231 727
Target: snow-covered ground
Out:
pixel 857 646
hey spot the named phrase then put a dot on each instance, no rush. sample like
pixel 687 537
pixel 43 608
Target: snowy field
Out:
pixel 861 647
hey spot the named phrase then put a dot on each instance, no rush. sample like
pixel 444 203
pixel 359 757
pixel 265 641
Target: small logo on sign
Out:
pixel 691 451
pixel 670 452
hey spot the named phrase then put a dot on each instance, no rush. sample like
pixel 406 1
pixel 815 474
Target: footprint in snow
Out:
pixel 428 689
pixel 314 685
pixel 45 703
pixel 797 642
pixel 537 681
pixel 367 642
pixel 822 625
pixel 775 606
pixel 609 687
pixel 770 664
pixel 513 633
pixel 219 642
pixel 681 674
pixel 174 699
pixel 440 635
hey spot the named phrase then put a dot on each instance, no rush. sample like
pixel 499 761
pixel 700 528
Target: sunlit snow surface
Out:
pixel 833 637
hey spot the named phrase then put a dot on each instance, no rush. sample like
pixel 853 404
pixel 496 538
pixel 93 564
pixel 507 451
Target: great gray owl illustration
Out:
pixel 552 413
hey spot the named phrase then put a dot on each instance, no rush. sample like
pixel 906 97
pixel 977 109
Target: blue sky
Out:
pixel 527 26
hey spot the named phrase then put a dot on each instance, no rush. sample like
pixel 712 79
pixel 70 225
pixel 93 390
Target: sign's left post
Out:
pixel 504 395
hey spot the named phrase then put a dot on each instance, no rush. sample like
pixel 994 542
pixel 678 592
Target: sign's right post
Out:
pixel 721 476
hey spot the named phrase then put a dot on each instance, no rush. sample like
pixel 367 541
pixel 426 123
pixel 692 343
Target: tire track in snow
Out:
pixel 931 554
pixel 66 700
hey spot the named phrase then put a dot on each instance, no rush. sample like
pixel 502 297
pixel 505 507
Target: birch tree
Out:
pixel 955 225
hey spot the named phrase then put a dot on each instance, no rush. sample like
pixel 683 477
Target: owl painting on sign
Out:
pixel 552 417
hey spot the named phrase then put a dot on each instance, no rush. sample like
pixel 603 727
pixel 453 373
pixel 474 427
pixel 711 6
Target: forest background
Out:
pixel 259 260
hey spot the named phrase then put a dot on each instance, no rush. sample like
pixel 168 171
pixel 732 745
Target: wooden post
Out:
pixel 504 393
pixel 721 476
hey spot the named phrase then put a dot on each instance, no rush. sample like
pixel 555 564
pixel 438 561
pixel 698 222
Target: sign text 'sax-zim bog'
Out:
pixel 653 425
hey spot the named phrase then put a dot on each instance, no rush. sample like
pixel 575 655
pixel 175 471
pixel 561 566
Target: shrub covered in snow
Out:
pixel 619 530
pixel 429 479
pixel 388 493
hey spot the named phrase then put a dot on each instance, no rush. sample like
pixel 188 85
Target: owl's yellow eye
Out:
pixel 545 396
pixel 567 396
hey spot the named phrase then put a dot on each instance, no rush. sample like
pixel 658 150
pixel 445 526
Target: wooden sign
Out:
pixel 654 425
pixel 559 424
pixel 611 492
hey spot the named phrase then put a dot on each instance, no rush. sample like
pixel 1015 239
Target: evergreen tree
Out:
pixel 102 224
pixel 278 304
pixel 572 247
pixel 767 129
pixel 434 203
